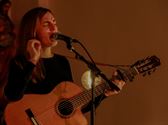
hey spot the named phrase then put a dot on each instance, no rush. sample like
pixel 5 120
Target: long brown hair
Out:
pixel 27 31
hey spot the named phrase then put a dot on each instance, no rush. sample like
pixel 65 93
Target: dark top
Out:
pixel 57 69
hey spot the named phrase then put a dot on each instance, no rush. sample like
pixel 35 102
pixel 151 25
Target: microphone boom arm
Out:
pixel 96 70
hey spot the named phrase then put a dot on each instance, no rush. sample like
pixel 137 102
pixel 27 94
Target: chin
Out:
pixel 54 43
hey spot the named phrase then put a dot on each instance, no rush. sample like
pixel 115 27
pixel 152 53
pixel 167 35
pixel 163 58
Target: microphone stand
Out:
pixel 96 71
pixel 92 112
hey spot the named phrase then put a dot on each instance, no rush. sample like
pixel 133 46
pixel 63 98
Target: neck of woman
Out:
pixel 47 53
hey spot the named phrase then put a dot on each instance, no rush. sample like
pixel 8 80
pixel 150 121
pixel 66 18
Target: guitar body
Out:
pixel 44 108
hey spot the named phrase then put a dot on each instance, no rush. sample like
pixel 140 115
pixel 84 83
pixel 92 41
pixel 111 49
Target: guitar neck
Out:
pixel 86 96
pixel 140 67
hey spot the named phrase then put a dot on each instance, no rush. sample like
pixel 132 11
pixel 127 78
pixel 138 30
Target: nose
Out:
pixel 53 28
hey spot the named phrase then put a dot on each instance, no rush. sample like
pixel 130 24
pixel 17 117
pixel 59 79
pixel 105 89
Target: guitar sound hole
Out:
pixel 65 108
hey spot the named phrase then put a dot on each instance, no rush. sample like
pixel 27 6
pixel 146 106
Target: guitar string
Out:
pixel 72 100
pixel 82 98
pixel 78 100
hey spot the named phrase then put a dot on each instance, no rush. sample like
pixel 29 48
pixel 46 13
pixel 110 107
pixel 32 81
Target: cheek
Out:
pixel 45 40
pixel 42 35
pixel 48 43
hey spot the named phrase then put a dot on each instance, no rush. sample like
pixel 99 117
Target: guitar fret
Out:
pixel 84 97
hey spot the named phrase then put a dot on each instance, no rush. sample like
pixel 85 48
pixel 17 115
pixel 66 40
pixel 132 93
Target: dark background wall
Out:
pixel 117 32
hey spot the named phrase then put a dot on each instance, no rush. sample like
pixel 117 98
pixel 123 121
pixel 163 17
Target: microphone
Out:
pixel 58 36
pixel 67 39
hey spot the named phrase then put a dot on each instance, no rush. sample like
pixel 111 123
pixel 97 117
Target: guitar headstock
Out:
pixel 147 65
pixel 144 66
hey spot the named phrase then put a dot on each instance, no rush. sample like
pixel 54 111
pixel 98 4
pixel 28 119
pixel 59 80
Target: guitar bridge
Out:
pixel 31 116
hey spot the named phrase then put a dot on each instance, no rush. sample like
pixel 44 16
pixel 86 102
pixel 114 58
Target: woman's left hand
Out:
pixel 117 82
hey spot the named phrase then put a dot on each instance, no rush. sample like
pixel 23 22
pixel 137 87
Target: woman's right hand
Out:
pixel 34 50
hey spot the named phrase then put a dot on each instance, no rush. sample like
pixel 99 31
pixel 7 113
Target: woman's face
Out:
pixel 45 27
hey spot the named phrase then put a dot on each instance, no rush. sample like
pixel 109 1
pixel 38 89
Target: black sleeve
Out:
pixel 20 71
pixel 88 107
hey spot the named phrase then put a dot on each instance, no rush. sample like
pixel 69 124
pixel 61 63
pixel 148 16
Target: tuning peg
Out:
pixel 154 69
pixel 143 60
pixel 148 57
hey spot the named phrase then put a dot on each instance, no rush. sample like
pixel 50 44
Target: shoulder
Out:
pixel 21 61
pixel 60 57
pixel 19 58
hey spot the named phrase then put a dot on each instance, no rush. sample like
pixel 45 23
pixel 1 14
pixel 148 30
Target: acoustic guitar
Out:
pixel 62 106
